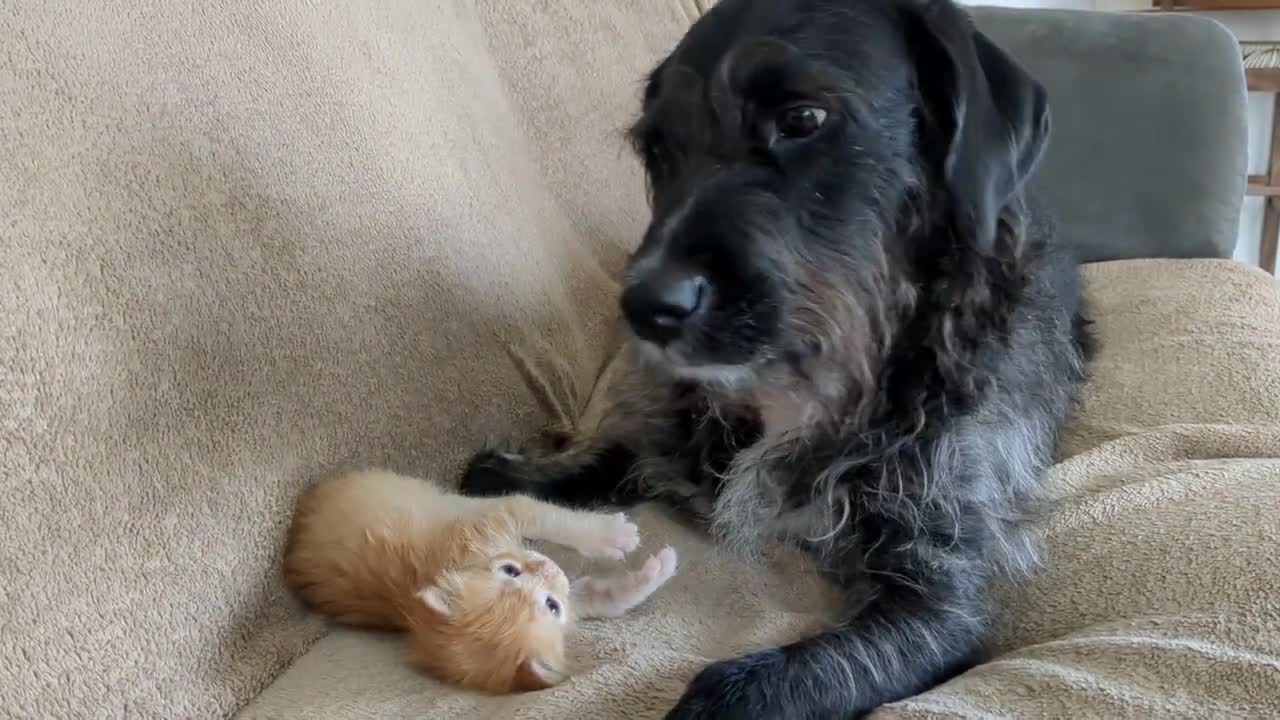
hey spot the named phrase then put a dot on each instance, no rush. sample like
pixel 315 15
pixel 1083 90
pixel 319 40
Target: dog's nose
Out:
pixel 659 304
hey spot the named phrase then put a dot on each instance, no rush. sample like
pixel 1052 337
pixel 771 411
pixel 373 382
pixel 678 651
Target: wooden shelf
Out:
pixel 1262 79
pixel 1257 185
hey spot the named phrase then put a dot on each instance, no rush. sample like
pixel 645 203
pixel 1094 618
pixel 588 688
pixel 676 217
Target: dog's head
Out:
pixel 805 159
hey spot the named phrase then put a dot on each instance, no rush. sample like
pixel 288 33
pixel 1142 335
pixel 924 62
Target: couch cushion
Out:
pixel 1162 596
pixel 1133 98
pixel 249 240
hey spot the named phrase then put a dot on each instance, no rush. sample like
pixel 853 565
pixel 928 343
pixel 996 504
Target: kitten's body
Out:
pixel 380 550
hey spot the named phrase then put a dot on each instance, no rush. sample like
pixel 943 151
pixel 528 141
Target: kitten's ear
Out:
pixel 435 600
pixel 536 674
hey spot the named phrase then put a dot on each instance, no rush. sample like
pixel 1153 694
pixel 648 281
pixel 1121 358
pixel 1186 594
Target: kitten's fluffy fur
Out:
pixel 380 550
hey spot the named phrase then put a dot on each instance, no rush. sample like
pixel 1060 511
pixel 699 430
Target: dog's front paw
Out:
pixel 737 689
pixel 609 536
pixel 493 472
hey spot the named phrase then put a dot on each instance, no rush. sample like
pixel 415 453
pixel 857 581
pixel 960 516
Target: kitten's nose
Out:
pixel 660 303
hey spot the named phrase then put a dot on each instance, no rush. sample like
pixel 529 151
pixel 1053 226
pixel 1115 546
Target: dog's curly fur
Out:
pixel 884 348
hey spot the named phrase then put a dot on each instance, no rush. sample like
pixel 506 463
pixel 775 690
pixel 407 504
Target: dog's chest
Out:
pixel 791 404
pixel 784 411
pixel 732 432
pixel 747 423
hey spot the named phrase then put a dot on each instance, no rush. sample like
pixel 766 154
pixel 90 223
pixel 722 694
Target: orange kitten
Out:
pixel 380 550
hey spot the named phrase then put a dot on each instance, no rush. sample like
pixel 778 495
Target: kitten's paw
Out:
pixel 609 536
pixel 493 472
pixel 614 596
pixel 658 569
pixel 638 585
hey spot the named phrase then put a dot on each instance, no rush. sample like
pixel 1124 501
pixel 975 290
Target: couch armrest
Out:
pixel 1149 148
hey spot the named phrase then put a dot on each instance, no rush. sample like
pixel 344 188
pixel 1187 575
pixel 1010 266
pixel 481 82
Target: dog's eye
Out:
pixel 553 605
pixel 800 121
pixel 510 570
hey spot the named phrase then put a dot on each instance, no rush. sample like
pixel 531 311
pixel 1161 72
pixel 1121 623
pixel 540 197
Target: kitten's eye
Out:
pixel 800 121
pixel 554 606
pixel 510 570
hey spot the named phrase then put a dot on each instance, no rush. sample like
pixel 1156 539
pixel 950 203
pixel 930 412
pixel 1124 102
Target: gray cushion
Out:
pixel 1149 148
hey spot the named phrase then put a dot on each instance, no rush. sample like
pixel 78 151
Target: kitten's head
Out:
pixel 496 625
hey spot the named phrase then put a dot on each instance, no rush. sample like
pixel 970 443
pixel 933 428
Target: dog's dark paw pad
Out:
pixel 492 472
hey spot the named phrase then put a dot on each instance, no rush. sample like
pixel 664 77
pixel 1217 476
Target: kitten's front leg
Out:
pixel 592 534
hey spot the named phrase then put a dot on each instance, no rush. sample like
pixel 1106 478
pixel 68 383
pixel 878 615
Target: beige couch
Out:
pixel 247 242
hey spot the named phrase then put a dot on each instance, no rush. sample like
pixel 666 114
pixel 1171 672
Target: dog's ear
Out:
pixel 985 121
pixel 653 83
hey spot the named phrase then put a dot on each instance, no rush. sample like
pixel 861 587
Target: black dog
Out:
pixel 844 334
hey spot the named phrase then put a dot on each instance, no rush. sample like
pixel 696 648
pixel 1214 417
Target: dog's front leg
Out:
pixel 916 584
pixel 582 475
pixel 592 465
pixel 922 625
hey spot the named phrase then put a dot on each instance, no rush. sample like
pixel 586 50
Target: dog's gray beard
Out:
pixel 672 361
pixel 749 513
